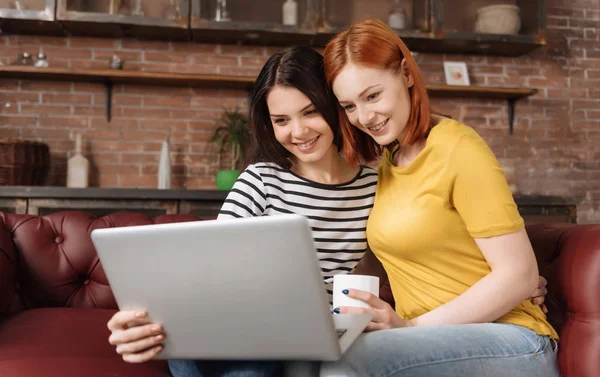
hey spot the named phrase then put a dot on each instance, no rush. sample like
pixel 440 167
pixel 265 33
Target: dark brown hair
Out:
pixel 298 67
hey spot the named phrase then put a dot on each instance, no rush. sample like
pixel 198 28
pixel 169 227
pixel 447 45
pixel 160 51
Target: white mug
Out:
pixel 348 281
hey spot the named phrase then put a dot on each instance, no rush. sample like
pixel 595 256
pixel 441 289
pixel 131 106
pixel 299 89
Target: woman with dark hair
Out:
pixel 444 225
pixel 295 166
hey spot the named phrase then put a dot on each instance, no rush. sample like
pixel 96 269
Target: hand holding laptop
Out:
pixel 137 338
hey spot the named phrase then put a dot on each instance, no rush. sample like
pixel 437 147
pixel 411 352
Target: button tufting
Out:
pixel 86 282
pixel 58 239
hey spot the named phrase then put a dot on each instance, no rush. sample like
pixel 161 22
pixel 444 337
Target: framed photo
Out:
pixel 456 73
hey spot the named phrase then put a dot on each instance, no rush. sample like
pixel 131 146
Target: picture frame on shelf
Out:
pixel 456 73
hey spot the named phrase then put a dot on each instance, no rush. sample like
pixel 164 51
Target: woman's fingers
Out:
pixel 123 319
pixel 134 334
pixel 139 346
pixel 141 357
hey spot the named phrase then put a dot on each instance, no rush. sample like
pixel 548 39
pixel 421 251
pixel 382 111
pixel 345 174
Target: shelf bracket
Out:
pixel 109 87
pixel 511 114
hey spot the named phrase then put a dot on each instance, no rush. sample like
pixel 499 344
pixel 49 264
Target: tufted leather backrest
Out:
pixel 50 261
pixel 569 258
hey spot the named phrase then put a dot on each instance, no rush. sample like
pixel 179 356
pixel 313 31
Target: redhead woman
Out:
pixel 444 225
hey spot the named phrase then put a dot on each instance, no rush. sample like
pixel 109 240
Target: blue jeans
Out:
pixel 192 368
pixel 474 350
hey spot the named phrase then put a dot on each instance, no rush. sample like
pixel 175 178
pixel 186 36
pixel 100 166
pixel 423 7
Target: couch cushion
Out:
pixel 65 342
pixel 56 262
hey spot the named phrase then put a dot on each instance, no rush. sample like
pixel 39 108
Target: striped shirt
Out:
pixel 336 213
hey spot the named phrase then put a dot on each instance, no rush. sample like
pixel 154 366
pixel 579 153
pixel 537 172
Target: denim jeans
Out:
pixel 193 368
pixel 474 350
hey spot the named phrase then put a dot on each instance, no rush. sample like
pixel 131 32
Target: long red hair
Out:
pixel 372 43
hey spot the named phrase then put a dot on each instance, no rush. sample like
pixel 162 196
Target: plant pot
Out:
pixel 226 179
pixel 498 19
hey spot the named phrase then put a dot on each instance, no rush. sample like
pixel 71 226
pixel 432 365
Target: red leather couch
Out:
pixel 55 299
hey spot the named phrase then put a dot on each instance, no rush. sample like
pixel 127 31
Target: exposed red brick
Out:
pixel 103 158
pixel 78 42
pixel 117 123
pixel 75 122
pixel 171 57
pixel 45 110
pixel 12 97
pixel 44 133
pixel 93 134
pixel 106 180
pixel 141 157
pixel 147 113
pixel 131 169
pixel 127 56
pixel 144 45
pixel 145 135
pixel 241 50
pixel 35 41
pixel 67 99
pixel 116 145
pixel 168 102
pixel 140 181
pixel 155 124
pixel 194 48
pixel 217 60
pixel 10 132
pixel 46 86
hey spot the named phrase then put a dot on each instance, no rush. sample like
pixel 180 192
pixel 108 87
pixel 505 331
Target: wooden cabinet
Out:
pixel 29 17
pixel 98 201
pixel 202 203
pixel 152 19
pixel 450 16
pixel 431 25
pixel 41 9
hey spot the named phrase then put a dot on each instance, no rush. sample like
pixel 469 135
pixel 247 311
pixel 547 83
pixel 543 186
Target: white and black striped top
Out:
pixel 337 214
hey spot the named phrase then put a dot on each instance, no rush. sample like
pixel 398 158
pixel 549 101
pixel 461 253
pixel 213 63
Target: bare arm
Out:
pixel 513 277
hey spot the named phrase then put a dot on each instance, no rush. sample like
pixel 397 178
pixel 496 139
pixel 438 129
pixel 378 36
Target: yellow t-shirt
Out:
pixel 426 215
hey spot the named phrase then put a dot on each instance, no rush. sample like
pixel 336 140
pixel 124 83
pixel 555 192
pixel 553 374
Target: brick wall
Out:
pixel 555 147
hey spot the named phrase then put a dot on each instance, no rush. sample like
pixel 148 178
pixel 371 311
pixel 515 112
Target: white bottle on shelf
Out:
pixel 164 167
pixel 78 167
pixel 290 12
pixel 397 16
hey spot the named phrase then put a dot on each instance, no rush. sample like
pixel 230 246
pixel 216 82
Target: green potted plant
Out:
pixel 231 136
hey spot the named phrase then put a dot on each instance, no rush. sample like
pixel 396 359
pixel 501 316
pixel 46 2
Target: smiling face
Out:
pixel 375 100
pixel 297 124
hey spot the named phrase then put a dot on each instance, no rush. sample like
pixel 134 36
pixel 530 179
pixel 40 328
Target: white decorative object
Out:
pixel 290 12
pixel 456 73
pixel 42 61
pixel 498 19
pixel 221 14
pixel 78 167
pixel 164 167
pixel 397 16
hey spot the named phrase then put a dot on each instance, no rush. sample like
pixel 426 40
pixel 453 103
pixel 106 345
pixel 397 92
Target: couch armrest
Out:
pixel 8 269
pixel 580 288
pixel 569 257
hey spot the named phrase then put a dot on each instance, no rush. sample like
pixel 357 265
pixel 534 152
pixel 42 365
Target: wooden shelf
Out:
pixel 489 92
pixel 125 77
pixel 457 42
pixel 110 77
pixel 223 81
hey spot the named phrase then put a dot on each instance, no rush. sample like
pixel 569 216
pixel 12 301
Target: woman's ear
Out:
pixel 408 79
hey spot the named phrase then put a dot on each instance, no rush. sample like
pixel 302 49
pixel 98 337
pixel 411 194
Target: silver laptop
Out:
pixel 229 289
